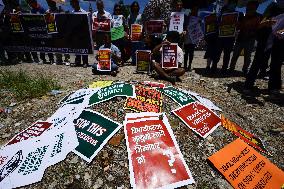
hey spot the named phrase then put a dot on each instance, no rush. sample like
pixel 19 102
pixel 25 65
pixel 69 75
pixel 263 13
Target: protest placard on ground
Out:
pixel 143 61
pixel 245 168
pixel 93 132
pixel 198 118
pixel 169 56
pixel 242 134
pixel 177 95
pixel 100 84
pixel 114 90
pixel 176 21
pixel 228 25
pixel 136 32
pixel 104 58
pixel 154 27
pixel 153 84
pixel 146 100
pixel 155 160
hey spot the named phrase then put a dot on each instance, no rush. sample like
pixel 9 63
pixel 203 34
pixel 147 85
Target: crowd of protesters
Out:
pixel 265 33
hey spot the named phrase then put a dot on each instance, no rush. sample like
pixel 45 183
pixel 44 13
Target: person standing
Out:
pixel 77 10
pixel 247 35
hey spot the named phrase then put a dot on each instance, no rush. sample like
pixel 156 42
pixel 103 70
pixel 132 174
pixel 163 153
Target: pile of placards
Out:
pixel 155 160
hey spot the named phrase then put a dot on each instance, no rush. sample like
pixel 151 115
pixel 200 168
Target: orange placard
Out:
pixel 104 63
pixel 245 168
pixel 136 32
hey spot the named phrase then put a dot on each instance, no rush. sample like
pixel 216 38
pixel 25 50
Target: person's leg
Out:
pixel 190 55
pixel 177 72
pixel 216 54
pixel 50 58
pixel 42 57
pixel 248 48
pixel 162 73
pixel 35 57
pixel 263 69
pixel 228 47
pixel 77 60
pixel 186 53
pixel 236 53
pixel 67 59
pixel 58 58
pixel 95 69
pixel 256 64
pixel 277 59
pixel 85 61
pixel 28 57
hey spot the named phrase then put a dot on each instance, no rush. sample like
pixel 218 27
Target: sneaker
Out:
pixel 85 65
pixel 67 63
pixel 113 73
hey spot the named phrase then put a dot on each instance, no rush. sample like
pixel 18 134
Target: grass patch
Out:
pixel 23 86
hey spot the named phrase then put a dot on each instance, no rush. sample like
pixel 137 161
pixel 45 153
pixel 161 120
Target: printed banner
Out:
pixel 100 84
pixel 116 89
pixel 79 96
pixel 154 27
pixel 15 23
pixel 35 130
pixel 147 100
pixel 243 134
pixel 155 160
pixel 176 95
pixel 51 24
pixel 198 118
pixel 93 132
pixel 143 61
pixel 153 84
pixel 176 22
pixel 42 34
pixel 194 30
pixel 136 32
pixel 245 168
pixel 210 24
pixel 101 25
pixel 228 25
pixel 104 63
pixel 169 56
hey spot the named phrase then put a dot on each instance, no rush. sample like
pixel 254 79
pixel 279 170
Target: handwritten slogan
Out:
pixel 136 32
pixel 104 63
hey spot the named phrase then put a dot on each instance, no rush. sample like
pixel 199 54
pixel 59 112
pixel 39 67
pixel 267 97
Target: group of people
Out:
pixel 265 32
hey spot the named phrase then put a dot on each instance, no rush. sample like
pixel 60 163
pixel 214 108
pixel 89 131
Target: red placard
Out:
pixel 154 156
pixel 136 32
pixel 102 25
pixel 169 56
pixel 15 23
pixel 33 131
pixel 198 118
pixel 104 63
pixel 154 26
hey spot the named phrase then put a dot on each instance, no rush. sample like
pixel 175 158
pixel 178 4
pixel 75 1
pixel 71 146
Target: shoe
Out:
pixel 67 63
pixel 85 65
pixel 113 73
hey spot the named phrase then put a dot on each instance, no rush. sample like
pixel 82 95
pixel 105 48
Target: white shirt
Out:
pixel 80 11
pixel 106 15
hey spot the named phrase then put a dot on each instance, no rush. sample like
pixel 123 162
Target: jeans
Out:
pixel 248 46
pixel 95 70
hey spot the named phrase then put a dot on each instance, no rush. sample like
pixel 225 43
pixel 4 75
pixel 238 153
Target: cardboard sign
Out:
pixel 155 160
pixel 35 130
pixel 50 23
pixel 176 22
pixel 93 132
pixel 198 118
pixel 15 23
pixel 194 30
pixel 79 96
pixel 210 24
pixel 154 27
pixel 104 63
pixel 169 56
pixel 245 168
pixel 101 25
pixel 100 84
pixel 116 89
pixel 117 30
pixel 228 25
pixel 242 134
pixel 136 32
pixel 143 61
pixel 147 100
pixel 176 95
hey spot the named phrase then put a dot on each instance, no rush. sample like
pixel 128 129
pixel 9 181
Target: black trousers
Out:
pixel 188 55
pixel 83 57
pixel 277 59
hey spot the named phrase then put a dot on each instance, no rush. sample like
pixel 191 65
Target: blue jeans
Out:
pixel 95 70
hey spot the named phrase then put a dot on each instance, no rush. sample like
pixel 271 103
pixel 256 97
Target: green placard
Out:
pixel 117 33
pixel 176 95
pixel 114 90
pixel 93 132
